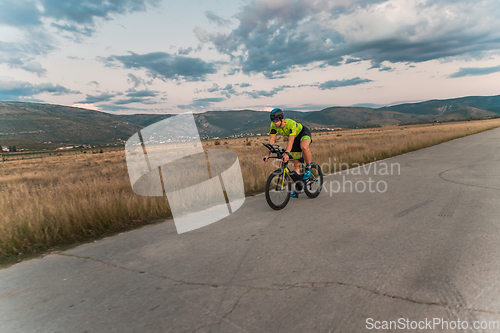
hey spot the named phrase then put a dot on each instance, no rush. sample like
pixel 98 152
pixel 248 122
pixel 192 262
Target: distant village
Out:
pixel 242 135
pixel 121 142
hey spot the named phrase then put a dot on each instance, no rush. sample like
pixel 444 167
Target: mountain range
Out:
pixel 35 125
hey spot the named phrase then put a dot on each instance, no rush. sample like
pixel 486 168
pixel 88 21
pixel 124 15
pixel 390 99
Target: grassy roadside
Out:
pixel 59 200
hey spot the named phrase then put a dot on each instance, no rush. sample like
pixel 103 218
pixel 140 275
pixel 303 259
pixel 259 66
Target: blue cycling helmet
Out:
pixel 276 113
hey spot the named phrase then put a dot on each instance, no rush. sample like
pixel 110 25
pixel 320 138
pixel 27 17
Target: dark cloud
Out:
pixel 475 71
pixel 136 81
pixel 137 96
pixel 352 60
pixel 270 37
pixel 20 14
pixel 34 67
pixel 143 93
pixel 128 101
pixel 274 38
pixel 185 51
pixel 201 103
pixel 332 84
pixel 215 87
pixel 76 30
pixel 13 62
pixel 266 93
pixel 93 83
pixel 381 68
pixel 386 69
pixel 165 66
pixel 213 18
pixel 55 90
pixel 244 85
pixel 134 100
pixel 18 90
pixel 34 21
pixel 232 71
pixel 103 97
pixel 228 91
pixel 20 54
pixel 36 44
pixel 88 12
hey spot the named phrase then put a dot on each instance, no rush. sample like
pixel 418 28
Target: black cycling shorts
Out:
pixel 296 142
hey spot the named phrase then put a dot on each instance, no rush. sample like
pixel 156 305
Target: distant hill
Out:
pixel 438 107
pixel 142 119
pixel 465 113
pixel 495 109
pixel 40 123
pixel 358 116
pixel 226 123
pixel 35 125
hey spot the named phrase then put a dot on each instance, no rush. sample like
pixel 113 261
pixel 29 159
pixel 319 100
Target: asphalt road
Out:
pixel 427 248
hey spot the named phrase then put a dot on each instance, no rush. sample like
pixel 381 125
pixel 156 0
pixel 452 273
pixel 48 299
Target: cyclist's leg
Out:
pixel 305 141
pixel 296 163
pixel 304 146
pixel 296 153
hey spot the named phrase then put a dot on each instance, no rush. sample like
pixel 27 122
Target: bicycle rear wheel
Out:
pixel 314 184
pixel 278 190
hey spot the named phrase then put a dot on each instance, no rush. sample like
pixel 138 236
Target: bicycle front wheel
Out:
pixel 314 184
pixel 278 190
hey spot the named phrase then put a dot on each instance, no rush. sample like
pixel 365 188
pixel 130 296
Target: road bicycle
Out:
pixel 281 182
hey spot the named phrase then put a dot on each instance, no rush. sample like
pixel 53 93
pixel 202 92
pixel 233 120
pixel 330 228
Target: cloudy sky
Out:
pixel 136 56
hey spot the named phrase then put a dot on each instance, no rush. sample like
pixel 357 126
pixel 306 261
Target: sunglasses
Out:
pixel 275 120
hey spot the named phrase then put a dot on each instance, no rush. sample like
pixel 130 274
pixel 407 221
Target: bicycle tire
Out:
pixel 277 196
pixel 316 181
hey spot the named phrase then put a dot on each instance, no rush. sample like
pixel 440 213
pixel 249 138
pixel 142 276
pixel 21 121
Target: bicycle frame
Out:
pixel 284 165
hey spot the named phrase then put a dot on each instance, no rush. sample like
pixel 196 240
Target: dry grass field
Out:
pixel 59 200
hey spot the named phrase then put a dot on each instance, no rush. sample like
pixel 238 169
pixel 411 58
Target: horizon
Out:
pixel 156 56
pixel 265 110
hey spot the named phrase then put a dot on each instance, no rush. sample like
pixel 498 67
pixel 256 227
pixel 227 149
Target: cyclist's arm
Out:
pixel 272 139
pixel 290 143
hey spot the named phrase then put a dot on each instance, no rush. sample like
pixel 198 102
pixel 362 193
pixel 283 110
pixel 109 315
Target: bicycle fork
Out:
pixel 285 171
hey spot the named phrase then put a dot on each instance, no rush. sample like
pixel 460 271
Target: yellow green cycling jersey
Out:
pixel 291 128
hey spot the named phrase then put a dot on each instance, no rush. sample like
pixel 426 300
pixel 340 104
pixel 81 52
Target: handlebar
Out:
pixel 279 151
pixel 274 149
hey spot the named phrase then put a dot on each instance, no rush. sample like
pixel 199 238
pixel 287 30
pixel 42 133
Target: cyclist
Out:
pixel 299 139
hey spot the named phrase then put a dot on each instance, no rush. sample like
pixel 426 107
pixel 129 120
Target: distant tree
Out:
pixel 12 149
